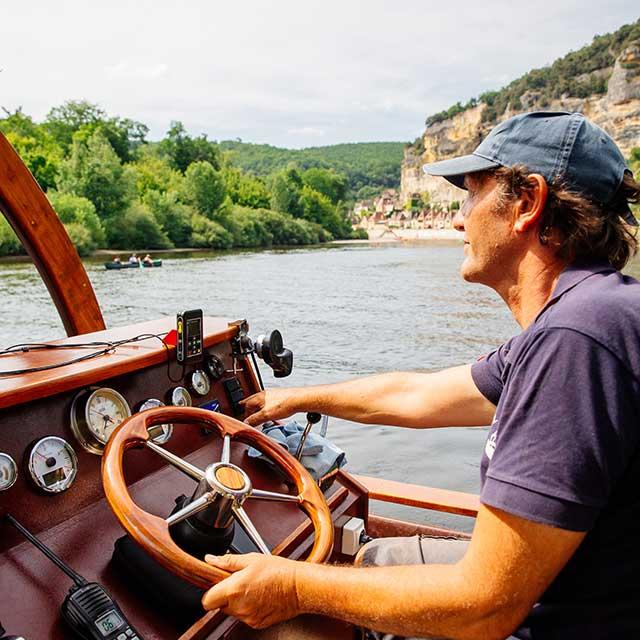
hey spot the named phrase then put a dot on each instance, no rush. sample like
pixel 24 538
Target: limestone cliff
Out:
pixel 617 111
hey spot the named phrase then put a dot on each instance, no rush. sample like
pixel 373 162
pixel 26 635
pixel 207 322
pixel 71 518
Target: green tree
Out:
pixel 204 188
pixel 9 243
pixel 93 171
pixel 327 182
pixel 316 207
pixel 184 150
pixel 37 148
pixel 174 217
pixel 77 212
pixel 286 189
pixel 154 172
pixel 244 189
pixel 136 228
pixel 208 233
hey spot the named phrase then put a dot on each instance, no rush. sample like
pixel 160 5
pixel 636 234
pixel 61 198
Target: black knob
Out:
pixel 313 417
pixel 215 367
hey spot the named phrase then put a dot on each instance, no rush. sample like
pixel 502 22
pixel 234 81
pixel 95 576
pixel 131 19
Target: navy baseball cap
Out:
pixel 558 145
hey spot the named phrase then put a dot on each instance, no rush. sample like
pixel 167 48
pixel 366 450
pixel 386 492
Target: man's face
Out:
pixel 487 225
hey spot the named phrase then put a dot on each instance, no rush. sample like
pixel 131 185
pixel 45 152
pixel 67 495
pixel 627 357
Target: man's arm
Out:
pixel 418 400
pixel 509 564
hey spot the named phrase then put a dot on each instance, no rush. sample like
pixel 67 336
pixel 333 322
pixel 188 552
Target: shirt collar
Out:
pixel 573 275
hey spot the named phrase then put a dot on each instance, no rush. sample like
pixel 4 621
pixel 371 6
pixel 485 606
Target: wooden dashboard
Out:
pixel 77 523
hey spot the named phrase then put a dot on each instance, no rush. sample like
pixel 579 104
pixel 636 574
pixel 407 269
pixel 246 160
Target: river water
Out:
pixel 345 311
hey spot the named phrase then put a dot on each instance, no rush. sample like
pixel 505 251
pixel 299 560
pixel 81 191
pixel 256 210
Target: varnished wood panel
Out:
pixel 413 495
pixel 36 224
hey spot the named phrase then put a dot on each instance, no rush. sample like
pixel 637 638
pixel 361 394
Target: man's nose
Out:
pixel 458 221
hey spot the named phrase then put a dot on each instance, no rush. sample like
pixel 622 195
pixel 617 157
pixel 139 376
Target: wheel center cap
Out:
pixel 230 478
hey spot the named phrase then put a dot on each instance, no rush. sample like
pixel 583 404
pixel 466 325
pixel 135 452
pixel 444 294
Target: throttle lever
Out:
pixel 312 418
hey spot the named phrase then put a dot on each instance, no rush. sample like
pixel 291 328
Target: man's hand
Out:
pixel 260 591
pixel 272 404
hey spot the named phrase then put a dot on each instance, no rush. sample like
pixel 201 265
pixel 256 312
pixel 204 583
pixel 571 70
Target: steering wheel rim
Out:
pixel 152 532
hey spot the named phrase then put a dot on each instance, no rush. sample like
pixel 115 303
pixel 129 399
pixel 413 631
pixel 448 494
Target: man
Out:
pixel 555 548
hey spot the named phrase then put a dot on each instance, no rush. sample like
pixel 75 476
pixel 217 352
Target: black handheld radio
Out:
pixel 189 330
pixel 88 609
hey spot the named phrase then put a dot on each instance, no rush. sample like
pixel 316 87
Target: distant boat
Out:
pixel 132 265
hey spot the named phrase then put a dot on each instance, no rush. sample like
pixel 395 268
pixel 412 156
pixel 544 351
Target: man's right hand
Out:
pixel 272 404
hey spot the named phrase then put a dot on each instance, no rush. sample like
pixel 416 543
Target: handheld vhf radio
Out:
pixel 88 609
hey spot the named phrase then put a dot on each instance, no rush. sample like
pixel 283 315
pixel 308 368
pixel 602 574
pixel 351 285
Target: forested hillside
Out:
pixel 112 188
pixel 369 167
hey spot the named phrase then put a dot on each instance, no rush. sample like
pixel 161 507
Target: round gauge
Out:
pixel 52 464
pixel 180 397
pixel 8 471
pixel 215 366
pixel 94 416
pixel 200 382
pixel 159 433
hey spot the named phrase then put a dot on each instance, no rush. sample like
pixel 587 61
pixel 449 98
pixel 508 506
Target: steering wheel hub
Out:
pixel 229 480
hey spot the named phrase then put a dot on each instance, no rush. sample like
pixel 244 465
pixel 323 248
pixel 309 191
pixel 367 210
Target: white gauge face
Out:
pixel 104 411
pixel 200 382
pixel 8 471
pixel 53 465
pixel 180 397
pixel 159 433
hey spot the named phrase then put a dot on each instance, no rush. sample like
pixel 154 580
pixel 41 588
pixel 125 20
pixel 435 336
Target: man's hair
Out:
pixel 584 228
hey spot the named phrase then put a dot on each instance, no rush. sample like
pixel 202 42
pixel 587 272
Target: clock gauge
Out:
pixel 95 413
pixel 8 471
pixel 200 382
pixel 159 433
pixel 180 397
pixel 52 464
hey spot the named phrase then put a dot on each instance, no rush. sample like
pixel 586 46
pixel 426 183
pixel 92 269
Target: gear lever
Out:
pixel 312 418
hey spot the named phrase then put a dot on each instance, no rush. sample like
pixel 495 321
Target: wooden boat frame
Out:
pixel 44 237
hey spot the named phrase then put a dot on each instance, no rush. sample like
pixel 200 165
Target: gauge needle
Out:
pixel 106 417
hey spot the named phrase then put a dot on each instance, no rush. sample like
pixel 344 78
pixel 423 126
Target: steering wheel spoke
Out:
pixel 259 494
pixel 226 449
pixel 245 522
pixel 179 463
pixel 191 509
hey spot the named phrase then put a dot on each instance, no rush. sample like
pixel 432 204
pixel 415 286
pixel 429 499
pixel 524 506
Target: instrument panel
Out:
pixel 51 450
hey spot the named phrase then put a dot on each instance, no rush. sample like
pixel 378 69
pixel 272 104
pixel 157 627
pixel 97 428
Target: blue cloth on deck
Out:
pixel 319 456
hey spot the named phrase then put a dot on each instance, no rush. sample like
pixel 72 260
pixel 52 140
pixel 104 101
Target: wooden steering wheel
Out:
pixel 222 480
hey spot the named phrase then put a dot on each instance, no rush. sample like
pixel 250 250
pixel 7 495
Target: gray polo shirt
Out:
pixel 564 448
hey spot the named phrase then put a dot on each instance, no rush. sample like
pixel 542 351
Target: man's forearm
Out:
pixel 408 399
pixel 429 601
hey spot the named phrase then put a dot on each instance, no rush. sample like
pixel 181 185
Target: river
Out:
pixel 344 311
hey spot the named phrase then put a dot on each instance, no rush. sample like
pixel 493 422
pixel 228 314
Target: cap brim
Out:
pixel 627 215
pixel 455 169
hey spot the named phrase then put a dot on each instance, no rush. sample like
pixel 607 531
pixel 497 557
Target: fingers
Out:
pixel 256 419
pixel 216 597
pixel 231 561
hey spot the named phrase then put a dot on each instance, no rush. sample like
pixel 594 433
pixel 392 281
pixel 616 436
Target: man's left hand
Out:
pixel 260 591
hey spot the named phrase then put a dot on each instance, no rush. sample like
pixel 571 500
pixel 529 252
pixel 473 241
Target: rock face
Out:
pixel 617 112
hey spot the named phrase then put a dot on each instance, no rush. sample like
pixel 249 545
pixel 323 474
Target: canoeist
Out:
pixel 133 259
pixel 547 225
pixel 147 260
pixel 116 260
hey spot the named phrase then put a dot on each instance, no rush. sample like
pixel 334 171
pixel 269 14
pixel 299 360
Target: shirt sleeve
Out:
pixel 565 431
pixel 487 372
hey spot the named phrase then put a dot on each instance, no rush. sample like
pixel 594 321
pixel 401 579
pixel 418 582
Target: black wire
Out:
pixel 109 347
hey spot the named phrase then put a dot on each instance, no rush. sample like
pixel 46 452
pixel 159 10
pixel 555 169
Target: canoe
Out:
pixel 131 265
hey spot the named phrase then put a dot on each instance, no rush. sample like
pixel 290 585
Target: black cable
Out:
pixel 109 347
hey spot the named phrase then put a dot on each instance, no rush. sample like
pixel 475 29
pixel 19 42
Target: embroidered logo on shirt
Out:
pixel 490 447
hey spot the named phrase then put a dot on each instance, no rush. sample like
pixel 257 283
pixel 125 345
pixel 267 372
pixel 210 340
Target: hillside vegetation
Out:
pixel 578 74
pixel 112 188
pixel 369 167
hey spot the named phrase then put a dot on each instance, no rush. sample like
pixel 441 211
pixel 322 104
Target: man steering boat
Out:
pixel 554 552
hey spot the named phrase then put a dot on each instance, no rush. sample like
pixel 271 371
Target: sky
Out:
pixel 287 73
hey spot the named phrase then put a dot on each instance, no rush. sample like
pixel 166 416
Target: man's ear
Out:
pixel 529 206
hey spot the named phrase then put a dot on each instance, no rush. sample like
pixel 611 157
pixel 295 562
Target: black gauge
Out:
pixel 180 397
pixel 8 471
pixel 200 382
pixel 215 367
pixel 159 433
pixel 95 413
pixel 52 464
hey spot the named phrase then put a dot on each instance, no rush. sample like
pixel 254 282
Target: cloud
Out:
pixel 307 131
pixel 126 70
